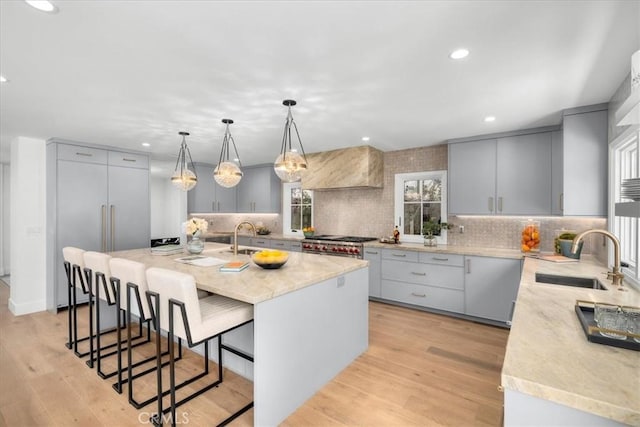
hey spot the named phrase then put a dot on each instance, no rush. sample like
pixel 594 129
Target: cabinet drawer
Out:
pixel 411 256
pixel 425 296
pixel 280 244
pixel 261 243
pixel 82 154
pixel 424 274
pixel 117 158
pixel 296 246
pixel 372 253
pixel 441 259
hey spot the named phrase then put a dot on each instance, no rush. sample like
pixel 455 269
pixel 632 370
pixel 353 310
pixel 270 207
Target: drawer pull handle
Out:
pixel 400 255
pixel 84 154
pixel 440 259
pixel 124 159
pixel 279 244
pixel 371 252
pixel 415 273
pixel 418 295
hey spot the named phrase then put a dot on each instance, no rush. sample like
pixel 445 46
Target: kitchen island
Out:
pixel 551 374
pixel 310 320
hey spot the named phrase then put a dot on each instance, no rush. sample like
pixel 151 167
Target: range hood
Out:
pixel 355 167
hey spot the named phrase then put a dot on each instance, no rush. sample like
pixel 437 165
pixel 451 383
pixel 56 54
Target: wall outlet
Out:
pixel 461 229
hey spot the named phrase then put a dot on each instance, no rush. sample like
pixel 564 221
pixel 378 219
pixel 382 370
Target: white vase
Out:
pixel 430 241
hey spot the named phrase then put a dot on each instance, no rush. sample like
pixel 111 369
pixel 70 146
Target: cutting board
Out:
pixel 557 258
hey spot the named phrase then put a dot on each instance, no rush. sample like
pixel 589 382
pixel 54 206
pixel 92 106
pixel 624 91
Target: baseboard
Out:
pixel 26 308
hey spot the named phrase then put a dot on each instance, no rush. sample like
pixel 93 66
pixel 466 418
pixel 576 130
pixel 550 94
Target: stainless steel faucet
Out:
pixel 615 275
pixel 235 234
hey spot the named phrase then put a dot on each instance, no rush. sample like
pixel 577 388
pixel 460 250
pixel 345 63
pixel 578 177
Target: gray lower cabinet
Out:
pixel 265 242
pixel 207 196
pixel 374 256
pixel 491 287
pixel 97 200
pixel 407 278
pixel 259 191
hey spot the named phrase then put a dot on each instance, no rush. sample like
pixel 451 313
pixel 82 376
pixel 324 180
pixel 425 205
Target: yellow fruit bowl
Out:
pixel 270 259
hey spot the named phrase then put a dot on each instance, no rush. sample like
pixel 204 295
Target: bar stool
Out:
pixel 128 278
pixel 175 307
pixel 73 266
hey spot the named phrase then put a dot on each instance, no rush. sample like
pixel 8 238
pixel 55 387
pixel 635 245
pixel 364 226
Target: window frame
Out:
pixel 632 276
pixel 400 178
pixel 287 230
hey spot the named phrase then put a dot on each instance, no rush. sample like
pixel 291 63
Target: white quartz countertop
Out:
pixel 548 355
pixel 450 249
pixel 254 284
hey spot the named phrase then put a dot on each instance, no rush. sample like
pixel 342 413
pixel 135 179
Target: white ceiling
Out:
pixel 121 73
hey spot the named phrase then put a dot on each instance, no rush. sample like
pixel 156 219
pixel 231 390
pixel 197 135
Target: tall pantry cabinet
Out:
pixel 97 200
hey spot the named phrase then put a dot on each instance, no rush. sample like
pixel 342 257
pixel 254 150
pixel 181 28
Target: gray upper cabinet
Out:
pixel 523 181
pixel 472 177
pixel 98 200
pixel 259 190
pixel 580 185
pixel 510 175
pixel 207 196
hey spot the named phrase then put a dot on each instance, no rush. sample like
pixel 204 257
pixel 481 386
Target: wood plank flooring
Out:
pixel 420 369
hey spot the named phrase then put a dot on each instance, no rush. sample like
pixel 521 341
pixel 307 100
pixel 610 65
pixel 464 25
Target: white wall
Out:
pixel 28 226
pixel 5 204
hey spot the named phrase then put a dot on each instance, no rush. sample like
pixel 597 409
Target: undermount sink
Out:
pixel 245 251
pixel 576 282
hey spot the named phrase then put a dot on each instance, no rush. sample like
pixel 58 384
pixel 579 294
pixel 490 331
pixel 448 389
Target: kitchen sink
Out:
pixel 245 251
pixel 576 282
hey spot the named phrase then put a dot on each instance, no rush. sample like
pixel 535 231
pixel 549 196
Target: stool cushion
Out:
pixel 99 263
pixel 206 317
pixel 131 272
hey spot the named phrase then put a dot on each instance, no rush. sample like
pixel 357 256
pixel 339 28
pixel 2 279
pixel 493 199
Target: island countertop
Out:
pixel 254 284
pixel 549 357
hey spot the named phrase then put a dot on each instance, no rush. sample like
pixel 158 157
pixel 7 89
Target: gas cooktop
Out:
pixel 352 239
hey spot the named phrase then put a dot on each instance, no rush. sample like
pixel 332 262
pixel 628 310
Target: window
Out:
pixel 298 209
pixel 420 197
pixel 625 159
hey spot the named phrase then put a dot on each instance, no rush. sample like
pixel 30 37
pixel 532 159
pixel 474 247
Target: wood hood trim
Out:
pixel 355 167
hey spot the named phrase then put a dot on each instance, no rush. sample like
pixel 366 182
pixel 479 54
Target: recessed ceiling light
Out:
pixel 365 138
pixel 490 119
pixel 42 5
pixel 459 54
pixel 3 79
pixel 146 144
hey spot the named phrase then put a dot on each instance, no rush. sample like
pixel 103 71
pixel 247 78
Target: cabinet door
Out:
pixel 81 201
pixel 373 256
pixel 472 177
pixel 128 208
pixel 524 175
pixel 557 157
pixel 585 164
pixel 225 199
pixel 248 190
pixel 202 197
pixel 491 287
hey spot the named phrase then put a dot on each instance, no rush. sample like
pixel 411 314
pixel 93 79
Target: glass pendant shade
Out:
pixel 290 164
pixel 227 174
pixel 183 177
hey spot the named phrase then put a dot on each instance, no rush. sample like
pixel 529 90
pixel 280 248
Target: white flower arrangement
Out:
pixel 194 225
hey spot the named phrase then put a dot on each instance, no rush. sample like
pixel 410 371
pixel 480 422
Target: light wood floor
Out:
pixel 420 369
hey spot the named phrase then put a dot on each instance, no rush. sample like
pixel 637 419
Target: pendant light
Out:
pixel 227 173
pixel 290 165
pixel 183 177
